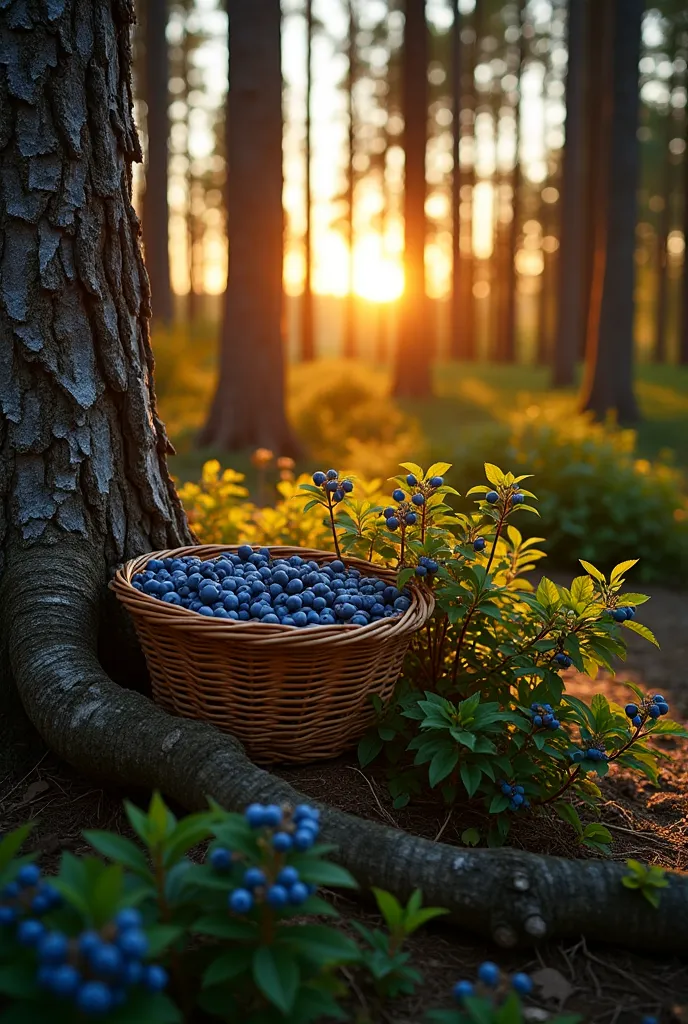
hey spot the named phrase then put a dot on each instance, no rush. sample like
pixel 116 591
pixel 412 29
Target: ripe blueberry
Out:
pixel 492 497
pixel 398 494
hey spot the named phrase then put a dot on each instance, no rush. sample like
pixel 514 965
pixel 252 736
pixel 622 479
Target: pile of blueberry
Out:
pixel 95 969
pixel 426 566
pixel 27 894
pixel 517 798
pixel 490 980
pixel 250 585
pixel 621 614
pixel 285 831
pixel 335 488
pixel 652 707
pixel 543 716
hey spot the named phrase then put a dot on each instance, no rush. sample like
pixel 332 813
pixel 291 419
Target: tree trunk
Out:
pixel 307 319
pixel 570 303
pixel 662 310
pixel 608 383
pixel 155 208
pixel 85 481
pixel 456 325
pixel 683 338
pixel 349 347
pixel 416 338
pixel 598 84
pixel 506 348
pixel 248 407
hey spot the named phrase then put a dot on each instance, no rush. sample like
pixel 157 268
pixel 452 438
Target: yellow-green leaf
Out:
pixel 438 469
pixel 643 631
pixel 494 474
pixel 592 571
pixel 621 568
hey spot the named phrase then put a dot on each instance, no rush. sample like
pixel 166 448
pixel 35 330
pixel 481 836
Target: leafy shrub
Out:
pixel 598 499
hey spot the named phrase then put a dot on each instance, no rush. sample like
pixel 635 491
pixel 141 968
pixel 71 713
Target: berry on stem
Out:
pixel 489 974
pixel 492 497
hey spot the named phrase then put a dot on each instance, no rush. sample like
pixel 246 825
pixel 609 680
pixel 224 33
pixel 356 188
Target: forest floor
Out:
pixel 606 985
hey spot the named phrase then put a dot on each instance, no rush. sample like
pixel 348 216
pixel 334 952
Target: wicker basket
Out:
pixel 289 694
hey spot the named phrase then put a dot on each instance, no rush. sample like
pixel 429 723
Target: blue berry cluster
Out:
pixel 513 498
pixel 286 831
pixel 593 753
pixel 426 566
pixel 517 798
pixel 407 508
pixel 621 614
pixel 251 585
pixel 96 969
pixel 543 716
pixel 335 489
pixel 651 707
pixel 28 894
pixel 491 980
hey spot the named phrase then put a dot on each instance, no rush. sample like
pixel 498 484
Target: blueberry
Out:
pixel 660 698
pixel 255 610
pixel 411 518
pixel 555 723
pixel 360 619
pixel 94 997
pixel 398 495
pixel 436 481
pixel 30 932
pixel 402 604
pixel 517 499
pixel 506 789
pixel 619 615
pixel 462 990
pixel 332 486
pixel 8 915
pixel 517 799
pixel 654 711
pixel 389 512
pixel 28 875
pixel 245 552
pixel 488 973
pixel 298 894
pixel 637 721
pixel 630 612
pixel 537 721
pixel 631 710
pixel 129 918
pixel 663 707
pixel 431 565
pixel 519 789
pixel 337 565
pixel 492 497
pixel 522 984
pixel 339 494
pixel 107 959
pixel 319 479
pixel 547 719
pixel 89 942
pixel 421 571
pixel 288 876
pixel 272 815
pixel 479 544
pixel 347 486
pixel 133 943
pixel 418 499
pixel 294 586
pixel 240 901
pixel 280 577
pixel 255 815
pixel 300 619
pixel 303 839
pixel 277 896
pixel 253 878
pixel 155 977
pixel 332 474
pixel 208 612
pixel 346 610
pixel 64 980
pixel 53 948
pixel 411 480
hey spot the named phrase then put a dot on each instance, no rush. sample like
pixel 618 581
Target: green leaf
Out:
pixel 369 748
pixel 548 594
pixel 470 776
pixel 597 832
pixel 592 571
pixel 499 803
pixel 438 469
pixel 146 1008
pixel 161 821
pixel 276 973
pixel 411 467
pixel 321 945
pixel 119 849
pixel 107 894
pixel 11 844
pixel 389 907
pixel 161 936
pixel 228 966
pixel 568 813
pixel 470 837
pixel 442 764
pixel 138 821
pixel 643 631
pixel 221 926
pixel 621 568
pixel 18 981
pixel 323 872
pixel 312 503
pixel 191 830
pixel 420 917
pixel 494 474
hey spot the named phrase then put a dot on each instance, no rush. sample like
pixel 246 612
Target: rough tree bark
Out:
pixel 608 385
pixel 683 335
pixel 248 408
pixel 570 304
pixel 456 343
pixel 349 346
pixel 307 317
pixel 415 347
pixel 84 485
pixel 155 207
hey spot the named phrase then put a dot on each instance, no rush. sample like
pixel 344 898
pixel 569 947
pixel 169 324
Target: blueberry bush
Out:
pixel 216 916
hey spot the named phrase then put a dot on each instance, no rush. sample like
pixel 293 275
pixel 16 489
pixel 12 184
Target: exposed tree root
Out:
pixel 49 600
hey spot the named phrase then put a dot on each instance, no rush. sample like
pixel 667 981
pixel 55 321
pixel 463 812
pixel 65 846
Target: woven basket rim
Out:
pixel 184 619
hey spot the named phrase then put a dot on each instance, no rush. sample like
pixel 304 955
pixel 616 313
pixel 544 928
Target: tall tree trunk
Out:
pixel 662 306
pixel 192 307
pixel 85 482
pixel 248 408
pixel 608 385
pixel 571 302
pixel 456 324
pixel 469 333
pixel 416 339
pixel 155 208
pixel 598 83
pixel 349 347
pixel 307 318
pixel 507 346
pixel 683 338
